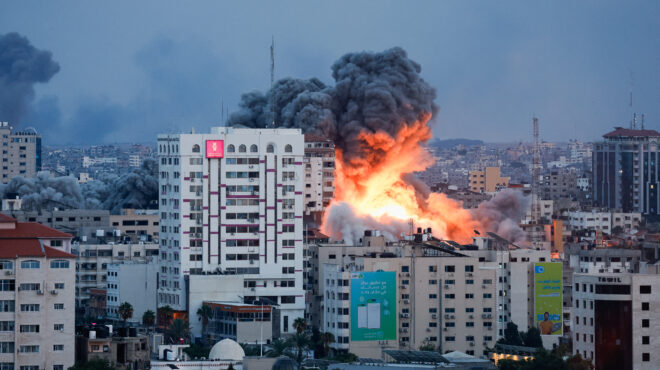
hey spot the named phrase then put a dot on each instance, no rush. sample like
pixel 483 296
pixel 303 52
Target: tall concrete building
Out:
pixel 231 203
pixel 319 175
pixel 37 282
pixel 21 153
pixel 625 171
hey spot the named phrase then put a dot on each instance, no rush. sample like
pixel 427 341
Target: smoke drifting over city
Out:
pixel 378 114
pixel 21 67
pixel 137 189
pixel 373 92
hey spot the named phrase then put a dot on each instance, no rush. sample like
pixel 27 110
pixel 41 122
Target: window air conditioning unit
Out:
pixel 446 286
pixel 434 316
pixel 54 292
pixel 406 301
pixel 9 272
pixel 445 329
pixel 40 292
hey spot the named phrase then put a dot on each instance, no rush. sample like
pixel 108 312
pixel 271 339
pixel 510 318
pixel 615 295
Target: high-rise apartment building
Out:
pixel 319 173
pixel 37 282
pixel 625 171
pixel 21 153
pixel 231 203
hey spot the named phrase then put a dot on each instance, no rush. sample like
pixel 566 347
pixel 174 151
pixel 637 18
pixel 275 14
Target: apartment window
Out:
pixel 56 367
pixel 433 324
pixel 6 347
pixel 646 357
pixel 58 347
pixel 30 286
pixel 469 309
pixel 450 324
pixel 450 296
pixel 405 269
pixel 433 282
pixel 645 306
pixel 450 268
pixel 30 264
pixel 58 306
pixel 469 296
pixel 645 323
pixel 7 306
pixel 450 310
pixel 469 282
pixel 59 285
pixel 6 326
pixel 433 268
pixel 433 296
pixel 58 327
pixel 469 268
pixel 29 328
pixel 645 339
pixel 7 285
pixel 6 265
pixel 469 324
pixel 30 307
pixel 488 295
pixel 28 349
pixel 644 289
pixel 29 367
pixel 450 339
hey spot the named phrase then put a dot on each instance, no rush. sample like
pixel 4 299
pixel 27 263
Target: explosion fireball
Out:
pixel 378 114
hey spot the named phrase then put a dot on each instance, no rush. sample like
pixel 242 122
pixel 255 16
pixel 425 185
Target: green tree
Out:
pixel 510 364
pixel 300 325
pixel 196 351
pixel 250 349
pixel 532 338
pixel 511 335
pixel 148 318
pixel 301 341
pixel 578 363
pixel 165 315
pixel 125 311
pixel 326 340
pixel 93 364
pixel 278 347
pixel 204 313
pixel 179 329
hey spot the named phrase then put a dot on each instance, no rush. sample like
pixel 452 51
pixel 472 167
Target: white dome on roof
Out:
pixel 227 349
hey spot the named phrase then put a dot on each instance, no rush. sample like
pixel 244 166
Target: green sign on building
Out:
pixel 373 306
pixel 548 306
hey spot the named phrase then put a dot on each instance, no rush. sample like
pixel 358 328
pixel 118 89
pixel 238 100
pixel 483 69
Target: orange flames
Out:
pixel 373 185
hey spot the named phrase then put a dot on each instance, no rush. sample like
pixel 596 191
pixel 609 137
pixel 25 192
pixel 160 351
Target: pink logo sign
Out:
pixel 215 148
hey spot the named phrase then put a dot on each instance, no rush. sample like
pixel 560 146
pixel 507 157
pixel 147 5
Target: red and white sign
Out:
pixel 215 148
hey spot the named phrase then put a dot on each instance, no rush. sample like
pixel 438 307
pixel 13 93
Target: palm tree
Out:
pixel 205 312
pixel 278 347
pixel 300 325
pixel 164 315
pixel 125 311
pixel 326 340
pixel 149 318
pixel 301 341
pixel 179 329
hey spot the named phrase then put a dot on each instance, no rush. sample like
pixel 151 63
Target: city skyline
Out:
pixel 565 63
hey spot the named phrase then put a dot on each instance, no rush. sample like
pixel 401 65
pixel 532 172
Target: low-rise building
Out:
pixel 134 282
pixel 137 224
pixel 616 320
pixel 92 261
pixel 488 180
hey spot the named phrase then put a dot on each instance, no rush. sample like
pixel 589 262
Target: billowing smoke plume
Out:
pixel 21 67
pixel 373 92
pixel 377 113
pixel 502 213
pixel 137 189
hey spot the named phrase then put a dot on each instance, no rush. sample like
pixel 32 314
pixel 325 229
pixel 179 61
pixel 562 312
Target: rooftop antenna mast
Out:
pixel 536 174
pixel 272 79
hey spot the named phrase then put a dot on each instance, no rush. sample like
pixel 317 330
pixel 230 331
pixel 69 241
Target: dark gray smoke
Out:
pixel 372 92
pixel 137 189
pixel 21 67
pixel 503 213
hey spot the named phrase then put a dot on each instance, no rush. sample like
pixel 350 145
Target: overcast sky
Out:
pixel 129 70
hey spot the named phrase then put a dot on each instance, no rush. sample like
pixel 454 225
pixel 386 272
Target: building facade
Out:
pixel 488 180
pixel 135 283
pixel 319 173
pixel 615 320
pixel 231 202
pixel 37 281
pixel 625 171
pixel 21 153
